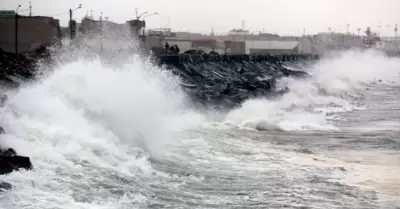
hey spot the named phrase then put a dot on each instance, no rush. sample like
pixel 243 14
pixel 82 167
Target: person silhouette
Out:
pixel 166 46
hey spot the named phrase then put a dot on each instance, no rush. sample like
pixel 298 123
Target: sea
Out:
pixel 125 137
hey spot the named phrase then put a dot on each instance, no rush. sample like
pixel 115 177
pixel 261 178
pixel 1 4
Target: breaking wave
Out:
pixel 337 84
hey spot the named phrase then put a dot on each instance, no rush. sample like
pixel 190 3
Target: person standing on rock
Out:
pixel 166 46
pixel 176 50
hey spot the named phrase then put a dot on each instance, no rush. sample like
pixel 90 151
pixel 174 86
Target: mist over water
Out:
pixel 128 137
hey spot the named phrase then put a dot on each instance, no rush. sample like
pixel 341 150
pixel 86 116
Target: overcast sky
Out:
pixel 280 16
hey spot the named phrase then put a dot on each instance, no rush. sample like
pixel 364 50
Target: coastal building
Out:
pixel 390 47
pixel 32 32
pixel 324 42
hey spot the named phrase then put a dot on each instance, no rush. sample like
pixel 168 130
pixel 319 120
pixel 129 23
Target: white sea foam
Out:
pixel 335 86
pixel 85 121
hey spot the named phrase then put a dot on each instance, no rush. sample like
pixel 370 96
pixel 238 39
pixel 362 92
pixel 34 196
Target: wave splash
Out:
pixel 336 85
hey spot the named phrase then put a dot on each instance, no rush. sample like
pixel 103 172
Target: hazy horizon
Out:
pixel 286 17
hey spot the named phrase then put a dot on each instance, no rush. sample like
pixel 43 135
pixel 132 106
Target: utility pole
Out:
pixel 101 31
pixel 16 30
pixel 70 24
pixel 30 9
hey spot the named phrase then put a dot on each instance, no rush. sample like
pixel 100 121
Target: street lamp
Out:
pixel 16 30
pixel 16 10
pixel 155 13
pixel 70 20
pixel 138 17
pixel 144 29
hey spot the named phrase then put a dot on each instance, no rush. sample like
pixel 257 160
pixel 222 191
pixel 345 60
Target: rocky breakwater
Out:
pixel 13 69
pixel 225 81
pixel 9 160
pixel 17 67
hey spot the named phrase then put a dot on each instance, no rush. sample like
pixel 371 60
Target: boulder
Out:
pixel 5 186
pixel 10 161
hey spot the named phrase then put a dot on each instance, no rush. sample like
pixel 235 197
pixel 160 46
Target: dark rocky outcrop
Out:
pixel 17 67
pixel 226 81
pixel 5 186
pixel 10 161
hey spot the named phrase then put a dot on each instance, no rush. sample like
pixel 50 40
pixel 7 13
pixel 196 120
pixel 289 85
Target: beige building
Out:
pixel 33 32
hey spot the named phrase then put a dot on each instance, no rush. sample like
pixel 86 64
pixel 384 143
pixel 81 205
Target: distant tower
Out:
pixel 212 30
pixel 243 24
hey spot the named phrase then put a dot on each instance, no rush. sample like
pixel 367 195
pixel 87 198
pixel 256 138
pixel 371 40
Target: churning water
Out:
pixel 128 138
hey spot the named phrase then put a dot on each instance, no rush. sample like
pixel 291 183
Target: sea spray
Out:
pixel 335 85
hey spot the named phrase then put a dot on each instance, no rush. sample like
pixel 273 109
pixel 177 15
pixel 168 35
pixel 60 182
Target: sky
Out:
pixel 285 17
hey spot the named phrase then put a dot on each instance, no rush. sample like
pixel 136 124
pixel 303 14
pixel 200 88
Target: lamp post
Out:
pixel 30 9
pixel 144 28
pixel 16 30
pixel 101 32
pixel 70 20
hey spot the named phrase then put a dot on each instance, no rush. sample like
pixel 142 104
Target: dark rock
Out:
pixel 3 99
pixel 228 80
pixel 5 186
pixel 10 161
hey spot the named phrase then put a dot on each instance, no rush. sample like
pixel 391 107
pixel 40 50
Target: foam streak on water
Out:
pixel 127 138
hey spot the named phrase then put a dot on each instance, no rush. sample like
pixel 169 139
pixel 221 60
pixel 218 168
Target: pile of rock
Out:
pixel 15 65
pixel 220 81
pixel 9 160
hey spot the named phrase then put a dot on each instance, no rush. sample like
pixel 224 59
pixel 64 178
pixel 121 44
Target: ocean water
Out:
pixel 128 137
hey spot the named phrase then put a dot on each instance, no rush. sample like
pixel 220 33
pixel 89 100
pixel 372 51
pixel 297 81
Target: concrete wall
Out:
pixel 32 32
pixel 273 47
pixel 273 51
pixel 235 47
pixel 305 46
